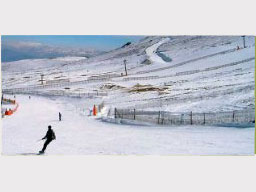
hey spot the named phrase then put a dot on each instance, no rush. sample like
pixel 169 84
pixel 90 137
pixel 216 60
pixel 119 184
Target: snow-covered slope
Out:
pixel 215 70
pixel 79 135
pixel 36 64
pixel 202 74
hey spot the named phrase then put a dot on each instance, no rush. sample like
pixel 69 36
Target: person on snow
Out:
pixel 60 116
pixel 50 135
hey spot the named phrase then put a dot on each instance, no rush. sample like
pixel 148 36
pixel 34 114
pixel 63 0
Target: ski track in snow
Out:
pixel 82 135
pixel 151 51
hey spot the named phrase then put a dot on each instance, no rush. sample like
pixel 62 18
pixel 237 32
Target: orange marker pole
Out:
pixel 94 110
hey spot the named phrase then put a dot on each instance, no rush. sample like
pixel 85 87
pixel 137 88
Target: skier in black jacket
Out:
pixel 60 116
pixel 50 135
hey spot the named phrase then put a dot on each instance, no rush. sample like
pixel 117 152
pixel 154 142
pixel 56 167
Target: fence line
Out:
pixel 186 62
pixel 189 72
pixel 188 118
pixel 56 93
pixel 54 85
pixel 103 76
pixel 141 78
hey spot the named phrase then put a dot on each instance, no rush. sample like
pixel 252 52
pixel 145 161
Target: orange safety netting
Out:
pixel 11 111
pixel 94 110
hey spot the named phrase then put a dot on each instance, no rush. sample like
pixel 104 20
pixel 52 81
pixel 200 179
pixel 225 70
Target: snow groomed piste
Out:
pixel 80 134
pixel 204 90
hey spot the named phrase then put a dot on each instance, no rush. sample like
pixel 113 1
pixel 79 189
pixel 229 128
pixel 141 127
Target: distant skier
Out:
pixel 90 112
pixel 29 97
pixel 50 135
pixel 60 116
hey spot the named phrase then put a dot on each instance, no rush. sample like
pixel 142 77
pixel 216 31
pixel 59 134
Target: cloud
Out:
pixel 20 44
pixel 17 50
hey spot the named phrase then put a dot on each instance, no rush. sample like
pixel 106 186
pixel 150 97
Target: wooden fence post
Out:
pixel 134 114
pixel 204 118
pixel 159 114
pixel 162 118
pixel 233 116
pixel 191 118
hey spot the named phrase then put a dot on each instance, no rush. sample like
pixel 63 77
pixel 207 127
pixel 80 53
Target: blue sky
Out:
pixel 101 42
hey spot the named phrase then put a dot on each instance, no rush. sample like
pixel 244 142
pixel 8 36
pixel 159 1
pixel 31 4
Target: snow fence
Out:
pixel 188 118
pixel 66 93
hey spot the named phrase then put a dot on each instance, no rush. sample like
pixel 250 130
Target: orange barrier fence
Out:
pixel 94 110
pixel 10 111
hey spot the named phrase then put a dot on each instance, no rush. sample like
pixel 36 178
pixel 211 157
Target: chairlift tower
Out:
pixel 42 79
pixel 244 41
pixel 125 67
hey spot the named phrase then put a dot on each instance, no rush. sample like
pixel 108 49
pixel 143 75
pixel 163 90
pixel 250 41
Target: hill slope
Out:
pixel 175 73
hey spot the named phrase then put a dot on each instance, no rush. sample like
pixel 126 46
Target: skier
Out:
pixel 90 112
pixel 60 116
pixel 29 97
pixel 50 135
